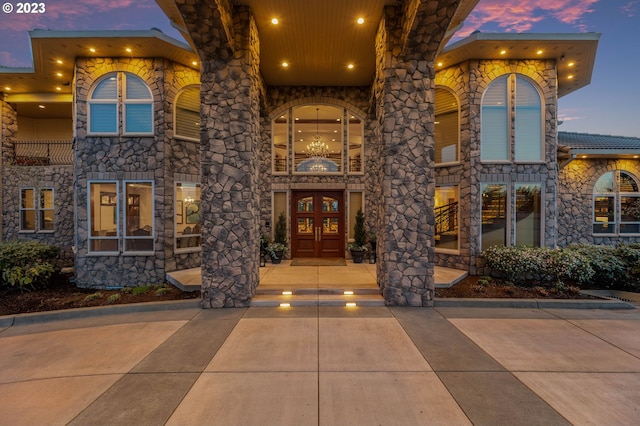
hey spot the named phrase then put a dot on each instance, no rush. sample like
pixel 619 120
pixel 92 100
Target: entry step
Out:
pixel 297 300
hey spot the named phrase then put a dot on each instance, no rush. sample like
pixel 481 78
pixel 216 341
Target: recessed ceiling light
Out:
pixel 194 63
pixel 360 21
pixel 275 21
pixel 636 156
pixel 59 74
pixel 439 64
pixel 128 49
pixel 571 64
pixel 539 52
pixel 59 61
pixel 8 89
pixel 41 106
pixel 58 88
pixel 503 52
pixel 570 77
pixel 285 64
pixel 350 66
pixel 92 50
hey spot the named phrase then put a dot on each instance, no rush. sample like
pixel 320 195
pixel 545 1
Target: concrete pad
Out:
pixel 545 345
pixel 498 398
pixel 503 313
pixel 624 314
pixel 589 399
pixel 441 343
pixel 50 401
pixel 242 399
pixel 357 312
pixel 141 399
pixel 386 398
pixel 367 344
pixel 447 277
pixel 271 312
pixel 269 344
pixel 100 350
pixel 622 334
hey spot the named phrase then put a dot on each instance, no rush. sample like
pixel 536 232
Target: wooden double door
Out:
pixel 317 224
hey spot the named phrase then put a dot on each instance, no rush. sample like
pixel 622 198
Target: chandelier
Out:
pixel 317 148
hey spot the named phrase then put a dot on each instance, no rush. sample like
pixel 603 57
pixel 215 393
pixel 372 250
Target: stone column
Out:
pixel 9 131
pixel 405 109
pixel 229 194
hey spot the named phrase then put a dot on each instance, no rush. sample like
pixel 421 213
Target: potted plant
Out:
pixel 278 247
pixel 358 246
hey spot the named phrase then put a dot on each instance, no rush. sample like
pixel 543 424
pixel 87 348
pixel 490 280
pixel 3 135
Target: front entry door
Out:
pixel 317 228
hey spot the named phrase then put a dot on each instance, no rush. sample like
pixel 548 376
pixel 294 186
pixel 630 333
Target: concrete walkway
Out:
pixel 325 366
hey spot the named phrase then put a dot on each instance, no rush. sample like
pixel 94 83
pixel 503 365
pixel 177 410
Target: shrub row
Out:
pixel 590 265
pixel 26 264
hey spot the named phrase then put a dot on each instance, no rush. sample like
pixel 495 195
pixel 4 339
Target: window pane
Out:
pixel 136 88
pixel 27 196
pixel 528 214
pixel 604 184
pixel 106 89
pixel 494 215
pixel 46 220
pixel 187 215
pixel 27 210
pixel 280 130
pixel 630 209
pixel 356 203
pixel 318 139
pixel 494 133
pixel 627 182
pixel 103 118
pixel 604 214
pixel 446 127
pixel 305 204
pixel 46 209
pixel 28 220
pixel 356 143
pixel 188 114
pixel 446 217
pixel 528 142
pixel 103 216
pixel 46 198
pixel 138 118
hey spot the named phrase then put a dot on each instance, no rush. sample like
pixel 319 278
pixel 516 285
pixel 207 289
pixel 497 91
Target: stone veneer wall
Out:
pixel 119 158
pixel 575 210
pixel 60 178
pixel 8 133
pixel 281 100
pixel 230 91
pixel 406 45
pixel 469 81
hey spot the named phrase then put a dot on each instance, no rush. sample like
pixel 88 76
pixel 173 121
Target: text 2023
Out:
pixel 31 7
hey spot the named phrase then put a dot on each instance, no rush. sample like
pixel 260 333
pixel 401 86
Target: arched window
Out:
pixel 498 125
pixel 447 125
pixel 616 204
pixel 120 97
pixel 187 114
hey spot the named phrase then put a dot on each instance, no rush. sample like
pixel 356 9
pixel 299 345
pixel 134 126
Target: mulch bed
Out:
pixel 62 294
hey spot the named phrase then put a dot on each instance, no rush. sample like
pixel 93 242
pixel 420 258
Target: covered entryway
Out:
pixel 317 224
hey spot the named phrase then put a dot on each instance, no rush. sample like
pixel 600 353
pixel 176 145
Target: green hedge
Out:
pixel 26 264
pixel 615 267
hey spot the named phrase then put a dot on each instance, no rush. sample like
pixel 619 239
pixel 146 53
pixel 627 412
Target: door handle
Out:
pixel 319 233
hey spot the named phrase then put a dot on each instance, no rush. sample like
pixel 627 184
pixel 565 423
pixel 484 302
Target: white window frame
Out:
pixel 121 101
pixel 175 115
pixel 118 228
pixel 458 152
pixel 286 116
pixel 176 236
pixel 457 249
pixel 125 219
pixel 511 121
pixel 33 209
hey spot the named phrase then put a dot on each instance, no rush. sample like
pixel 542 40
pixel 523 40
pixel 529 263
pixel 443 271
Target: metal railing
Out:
pixel 446 218
pixel 43 153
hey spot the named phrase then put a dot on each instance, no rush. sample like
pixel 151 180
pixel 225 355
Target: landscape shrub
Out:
pixel 26 264
pixel 607 265
pixel 519 264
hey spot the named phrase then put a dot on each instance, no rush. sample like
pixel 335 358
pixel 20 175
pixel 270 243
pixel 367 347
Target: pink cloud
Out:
pixel 7 60
pixel 630 8
pixel 521 15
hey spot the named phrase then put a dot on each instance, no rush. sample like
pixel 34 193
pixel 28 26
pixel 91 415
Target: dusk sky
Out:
pixel 609 105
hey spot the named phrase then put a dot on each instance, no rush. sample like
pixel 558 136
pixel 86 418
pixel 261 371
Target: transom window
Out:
pixel 616 204
pixel 321 136
pixel 511 127
pixel 447 127
pixel 120 103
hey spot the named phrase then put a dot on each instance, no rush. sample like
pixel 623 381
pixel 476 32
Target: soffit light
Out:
pixel 275 21
pixel 360 21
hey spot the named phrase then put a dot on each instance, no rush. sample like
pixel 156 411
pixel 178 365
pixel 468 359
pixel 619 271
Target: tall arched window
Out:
pixel 616 204
pixel 187 114
pixel 117 98
pixel 447 125
pixel 498 125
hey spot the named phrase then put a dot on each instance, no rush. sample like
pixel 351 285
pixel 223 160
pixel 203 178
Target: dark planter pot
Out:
pixel 278 257
pixel 357 256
